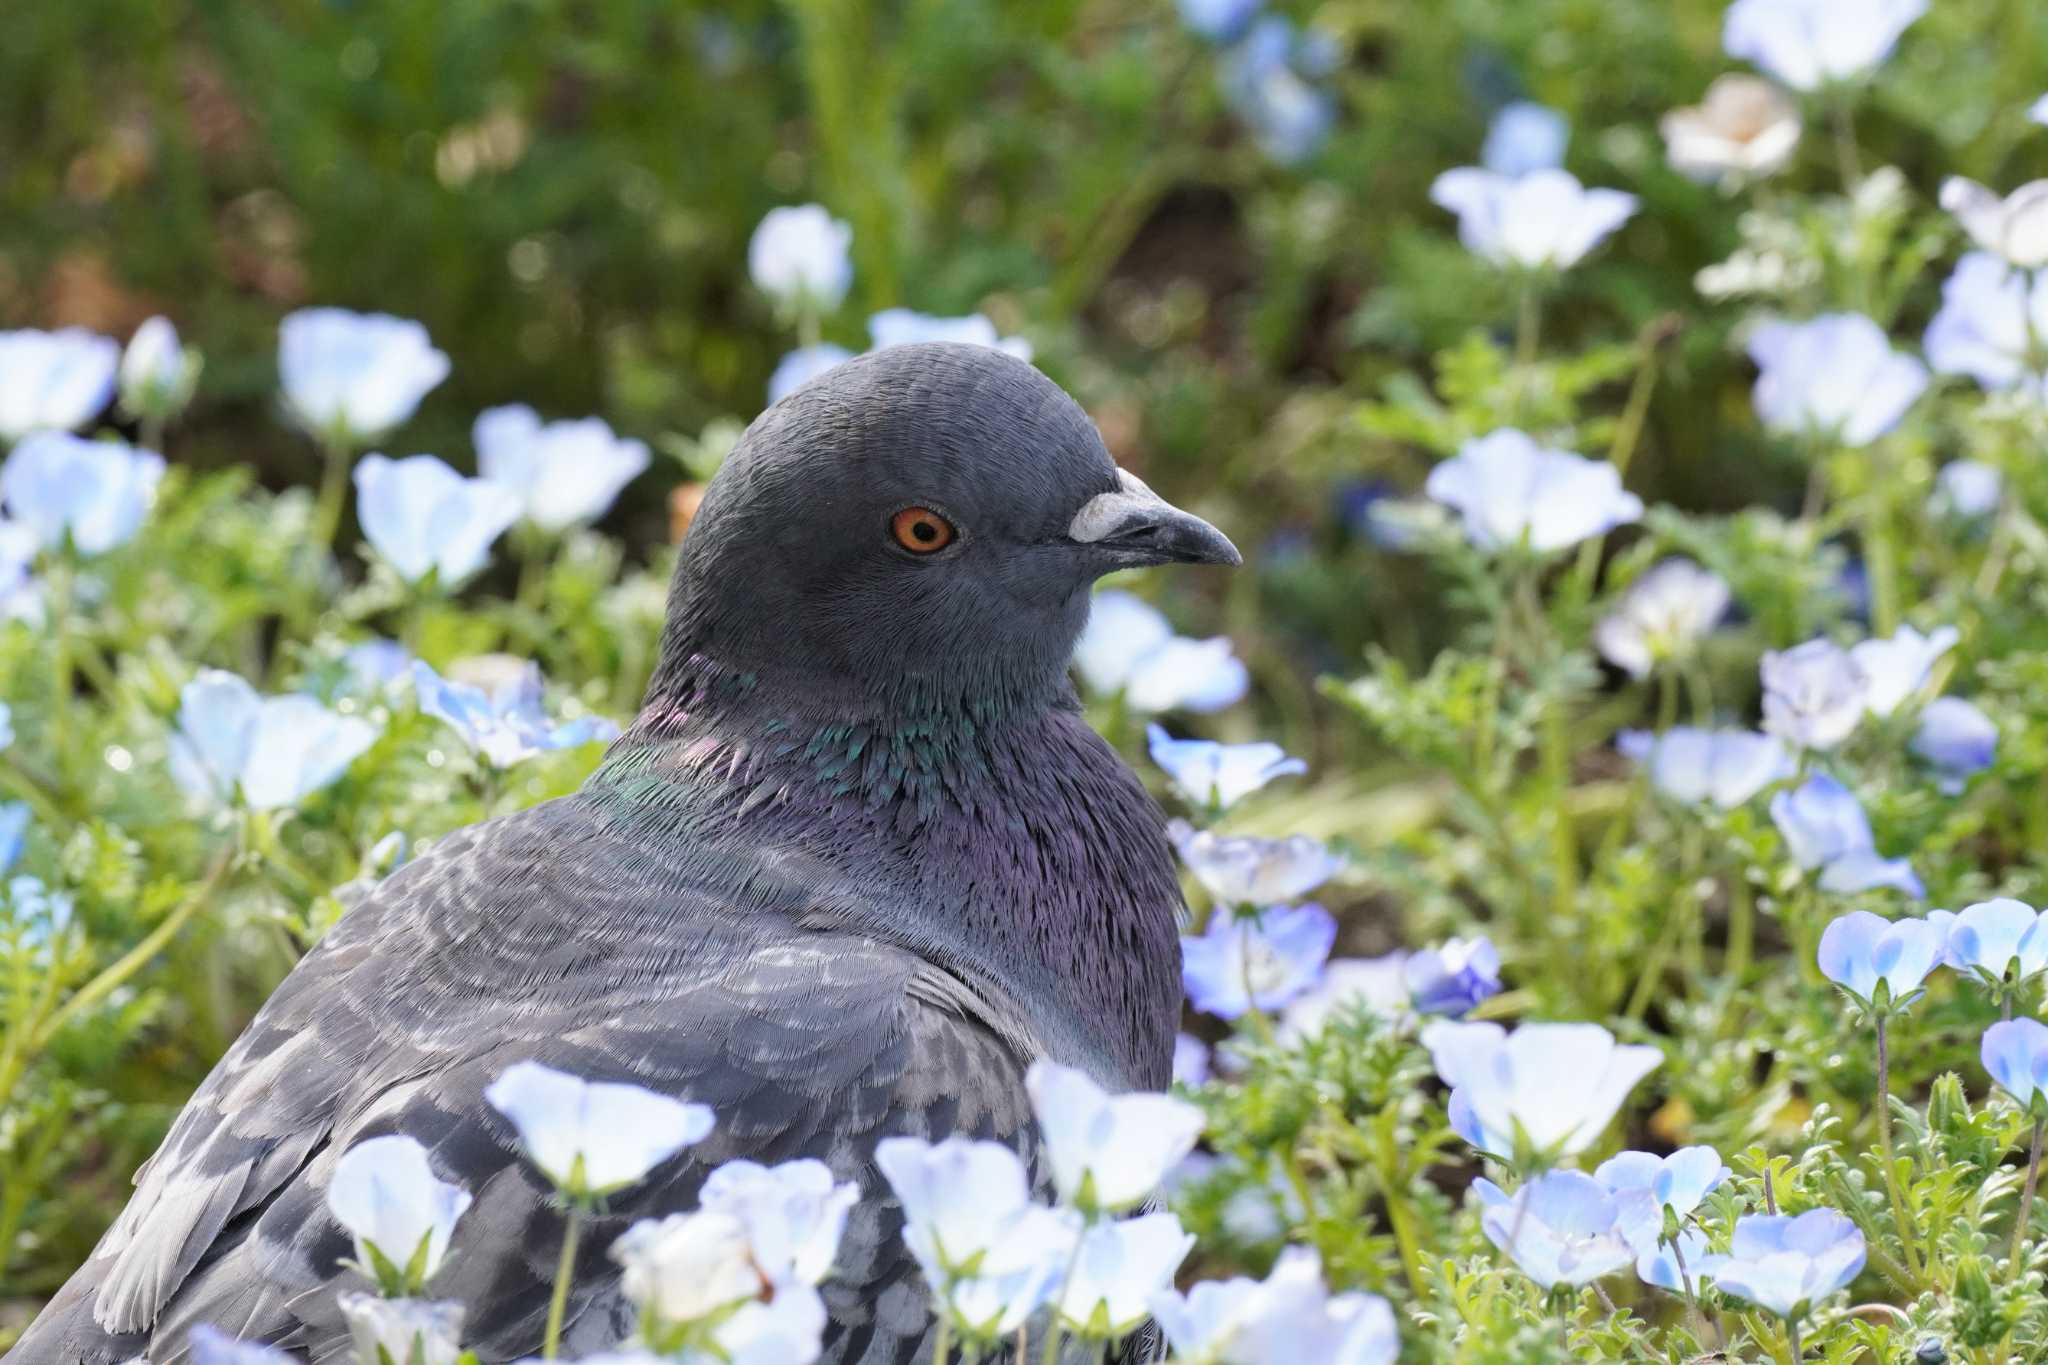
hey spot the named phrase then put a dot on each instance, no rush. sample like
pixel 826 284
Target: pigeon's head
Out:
pixel 922 522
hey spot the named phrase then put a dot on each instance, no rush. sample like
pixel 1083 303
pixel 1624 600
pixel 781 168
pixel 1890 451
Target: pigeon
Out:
pixel 858 861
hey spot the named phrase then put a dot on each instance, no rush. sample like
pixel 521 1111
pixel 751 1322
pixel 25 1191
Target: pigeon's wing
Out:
pixel 541 936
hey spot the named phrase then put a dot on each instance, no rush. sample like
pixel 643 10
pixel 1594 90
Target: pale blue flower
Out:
pixel 803 365
pixel 415 1331
pixel 799 257
pixel 14 822
pixel 21 596
pixel 794 1214
pixel 1128 647
pixel 6 725
pixel 2038 111
pixel 211 1346
pixel 1835 377
pixel 91 494
pixel 1814 694
pixel 1106 1152
pixel 423 517
pixel 563 473
pixel 1860 951
pixel 37 913
pixel 1957 738
pixel 1373 985
pixel 1209 774
pixel 376 664
pixel 1659 1266
pixel 1452 977
pixel 1898 668
pixel 1990 314
pixel 1662 614
pixel 1557 1086
pixel 1245 870
pixel 1725 767
pixel 902 327
pixel 1240 963
pixel 1997 939
pixel 157 373
pixel 505 724
pixel 1824 827
pixel 2013 227
pixel 1559 1228
pixel 354 376
pixel 54 381
pixel 1289 1318
pixel 591 1138
pixel 1968 490
pixel 1645 1185
pixel 1524 137
pixel 1514 493
pixel 1220 21
pixel 268 751
pixel 385 1192
pixel 1811 43
pixel 1545 220
pixel 2015 1052
pixel 1270 79
pixel 1119 1266
pixel 1191 1062
pixel 1786 1264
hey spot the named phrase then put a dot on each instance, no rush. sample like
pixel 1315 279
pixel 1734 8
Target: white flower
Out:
pixel 1814 694
pixel 1745 128
pixel 54 381
pixel 1107 1151
pixel 1244 870
pixel 425 518
pixel 1219 775
pixel 593 1137
pixel 2014 228
pixel 211 1346
pixel 687 1266
pixel 1018 1275
pixel 354 376
pixel 901 326
pixel 1811 43
pixel 1726 767
pixel 157 373
pixel 2038 111
pixel 563 473
pixel 1119 1268
pixel 787 1330
pixel 405 1331
pixel 1967 490
pixel 803 365
pixel 1524 137
pixel 793 1214
pixel 1512 492
pixel 1661 615
pixel 1836 377
pixel 1990 322
pixel 798 257
pixel 93 494
pixel 1542 220
pixel 1896 669
pixel 1289 1318
pixel 386 1195
pixel 1376 985
pixel 21 595
pixel 1558 1085
pixel 959 1197
pixel 269 751
pixel 1127 646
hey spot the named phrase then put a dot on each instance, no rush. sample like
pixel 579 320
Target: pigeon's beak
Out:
pixel 1136 526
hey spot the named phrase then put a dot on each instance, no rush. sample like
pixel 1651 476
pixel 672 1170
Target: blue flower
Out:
pixel 1270 80
pixel 1967 490
pixel 504 725
pixel 1860 951
pixel 2013 227
pixel 1726 767
pixel 1560 1228
pixel 1786 1264
pixel 1659 1266
pixel 799 257
pixel 1545 220
pixel 1811 43
pixel 1996 939
pixel 1191 1064
pixel 157 373
pixel 1646 1185
pixel 6 725
pixel 14 822
pixel 1990 314
pixel 1897 669
pixel 1220 21
pixel 21 597
pixel 1814 694
pixel 1554 1087
pixel 1513 493
pixel 902 327
pixel 1372 985
pixel 54 381
pixel 1245 870
pixel 38 913
pixel 1661 615
pixel 352 377
pixel 1128 647
pixel 1956 738
pixel 2015 1052
pixel 1262 961
pixel 92 493
pixel 211 1346
pixel 271 751
pixel 1209 774
pixel 1524 137
pixel 376 664
pixel 1824 827
pixel 563 473
pixel 425 518
pixel 1835 377
pixel 2038 111
pixel 1452 977
pixel 803 365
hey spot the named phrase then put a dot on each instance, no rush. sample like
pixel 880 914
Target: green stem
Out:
pixel 60 582
pixel 333 493
pixel 2026 1213
pixel 1792 1346
pixel 1880 553
pixel 1847 163
pixel 1395 1190
pixel 1628 436
pixel 1907 1232
pixel 565 1271
pixel 942 1344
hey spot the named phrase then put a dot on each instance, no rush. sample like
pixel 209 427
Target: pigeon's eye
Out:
pixel 921 530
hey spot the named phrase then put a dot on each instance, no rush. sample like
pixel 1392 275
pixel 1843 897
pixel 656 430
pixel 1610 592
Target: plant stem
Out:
pixel 2026 1213
pixel 1847 164
pixel 1907 1232
pixel 565 1271
pixel 1793 1347
pixel 1881 555
pixel 333 493
pixel 61 582
pixel 942 1344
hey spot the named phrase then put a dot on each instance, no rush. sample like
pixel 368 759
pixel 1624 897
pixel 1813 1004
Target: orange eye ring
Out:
pixel 921 530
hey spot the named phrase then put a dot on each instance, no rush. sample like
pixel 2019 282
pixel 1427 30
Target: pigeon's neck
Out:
pixel 1003 841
